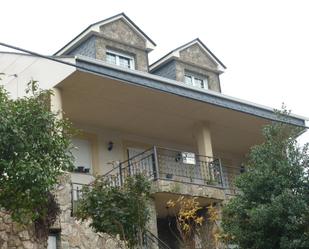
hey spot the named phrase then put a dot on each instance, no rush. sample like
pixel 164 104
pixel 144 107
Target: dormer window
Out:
pixel 119 59
pixel 196 81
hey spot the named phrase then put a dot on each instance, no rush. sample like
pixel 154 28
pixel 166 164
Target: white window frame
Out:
pixel 77 150
pixel 118 55
pixel 194 79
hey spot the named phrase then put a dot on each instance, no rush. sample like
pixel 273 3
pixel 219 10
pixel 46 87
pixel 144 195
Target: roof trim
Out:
pixel 175 53
pixel 150 44
pixel 166 85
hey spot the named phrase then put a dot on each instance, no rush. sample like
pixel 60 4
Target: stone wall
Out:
pixel 140 56
pixel 119 30
pixel 196 55
pixel 16 236
pixel 192 60
pixel 75 234
pixel 119 36
pixel 71 233
pixel 212 77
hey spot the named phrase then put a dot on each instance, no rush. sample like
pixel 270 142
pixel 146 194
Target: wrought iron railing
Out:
pixel 186 167
pixel 167 164
pixel 143 163
pixel 76 194
pixel 172 165
pixel 229 175
pixel 153 242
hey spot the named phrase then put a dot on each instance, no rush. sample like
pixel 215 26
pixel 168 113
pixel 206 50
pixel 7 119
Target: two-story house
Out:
pixel 168 119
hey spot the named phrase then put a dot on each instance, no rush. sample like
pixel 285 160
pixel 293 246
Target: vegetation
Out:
pixel 117 210
pixel 188 221
pixel 272 208
pixel 34 151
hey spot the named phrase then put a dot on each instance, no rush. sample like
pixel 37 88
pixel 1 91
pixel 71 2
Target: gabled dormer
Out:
pixel 193 64
pixel 116 40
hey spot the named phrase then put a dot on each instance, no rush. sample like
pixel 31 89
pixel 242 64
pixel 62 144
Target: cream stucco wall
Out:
pixel 106 159
pixel 19 69
pixel 122 141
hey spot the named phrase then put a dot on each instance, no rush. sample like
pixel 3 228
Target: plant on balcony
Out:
pixel 34 146
pixel 272 208
pixel 117 210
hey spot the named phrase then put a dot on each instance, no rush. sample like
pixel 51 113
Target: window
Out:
pixel 119 59
pixel 82 155
pixel 197 81
pixel 52 241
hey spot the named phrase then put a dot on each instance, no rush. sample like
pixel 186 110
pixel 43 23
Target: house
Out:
pixel 168 119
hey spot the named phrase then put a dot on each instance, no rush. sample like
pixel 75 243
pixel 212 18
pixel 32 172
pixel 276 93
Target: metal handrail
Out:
pixel 159 243
pixel 128 160
pixel 161 163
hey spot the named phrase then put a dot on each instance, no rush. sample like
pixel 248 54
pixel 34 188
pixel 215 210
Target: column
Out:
pixel 204 147
pixel 203 139
pixel 56 102
pixel 152 224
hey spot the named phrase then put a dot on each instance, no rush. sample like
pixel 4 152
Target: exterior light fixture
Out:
pixel 110 145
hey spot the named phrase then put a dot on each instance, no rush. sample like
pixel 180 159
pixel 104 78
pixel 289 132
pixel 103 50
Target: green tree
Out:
pixel 117 210
pixel 34 151
pixel 272 208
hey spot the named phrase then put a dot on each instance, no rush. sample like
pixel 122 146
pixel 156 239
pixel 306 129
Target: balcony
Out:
pixel 164 164
pixel 173 173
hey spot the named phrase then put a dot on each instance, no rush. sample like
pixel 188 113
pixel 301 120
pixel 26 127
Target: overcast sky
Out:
pixel 263 43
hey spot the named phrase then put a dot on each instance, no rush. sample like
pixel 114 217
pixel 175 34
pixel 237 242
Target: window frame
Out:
pixel 56 236
pixel 77 150
pixel 194 80
pixel 118 55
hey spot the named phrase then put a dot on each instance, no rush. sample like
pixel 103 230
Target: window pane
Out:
pixel 124 62
pixel 52 242
pixel 83 154
pixel 188 79
pixel 111 58
pixel 199 82
pixel 206 83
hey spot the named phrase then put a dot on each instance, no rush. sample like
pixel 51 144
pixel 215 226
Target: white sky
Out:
pixel 263 43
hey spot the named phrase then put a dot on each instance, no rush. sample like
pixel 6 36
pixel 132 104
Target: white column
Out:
pixel 56 102
pixel 204 147
pixel 203 139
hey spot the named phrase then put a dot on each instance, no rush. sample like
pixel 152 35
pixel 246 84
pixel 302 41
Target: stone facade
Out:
pixel 120 31
pixel 72 234
pixel 187 189
pixel 213 78
pixel 197 56
pixel 140 56
pixel 120 37
pixel 16 236
pixel 75 234
pixel 193 60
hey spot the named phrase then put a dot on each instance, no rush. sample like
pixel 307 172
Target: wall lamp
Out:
pixel 110 145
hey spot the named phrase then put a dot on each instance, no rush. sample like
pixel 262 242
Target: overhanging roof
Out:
pixel 148 80
pixel 95 27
